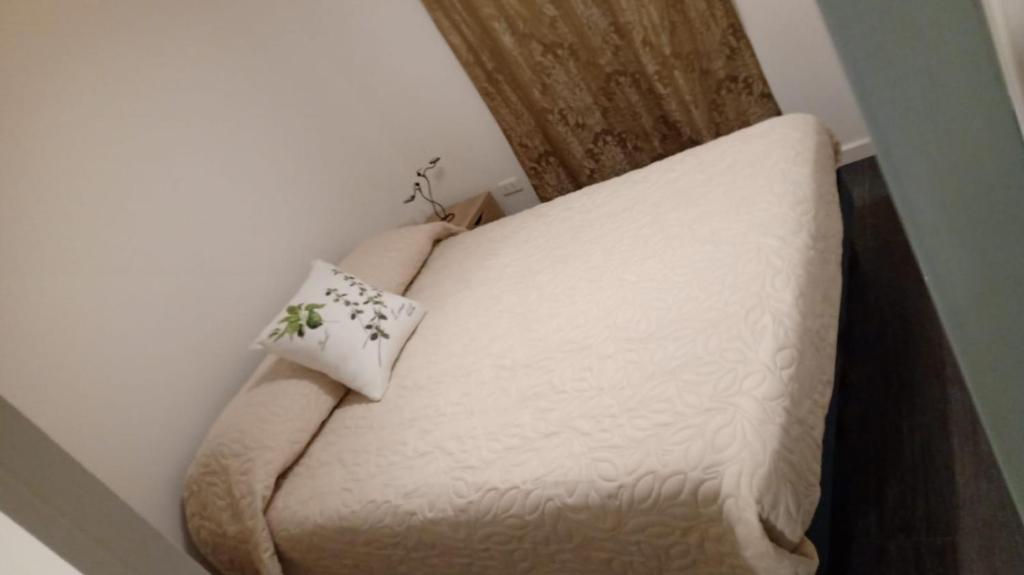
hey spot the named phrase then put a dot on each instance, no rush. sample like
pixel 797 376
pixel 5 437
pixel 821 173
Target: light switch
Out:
pixel 509 187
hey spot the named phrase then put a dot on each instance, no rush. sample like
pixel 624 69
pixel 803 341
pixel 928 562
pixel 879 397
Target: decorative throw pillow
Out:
pixel 344 328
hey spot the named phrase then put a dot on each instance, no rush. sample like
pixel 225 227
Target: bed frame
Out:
pixel 820 531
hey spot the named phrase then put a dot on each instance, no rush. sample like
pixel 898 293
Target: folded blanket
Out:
pixel 266 427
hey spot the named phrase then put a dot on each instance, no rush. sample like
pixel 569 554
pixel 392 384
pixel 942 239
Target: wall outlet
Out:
pixel 510 187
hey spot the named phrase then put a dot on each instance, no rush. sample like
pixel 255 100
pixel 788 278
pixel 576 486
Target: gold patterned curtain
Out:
pixel 586 90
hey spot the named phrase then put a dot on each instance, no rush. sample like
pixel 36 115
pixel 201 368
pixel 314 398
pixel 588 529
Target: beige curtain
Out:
pixel 589 89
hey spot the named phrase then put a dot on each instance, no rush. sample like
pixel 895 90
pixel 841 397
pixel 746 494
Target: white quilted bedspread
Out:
pixel 630 379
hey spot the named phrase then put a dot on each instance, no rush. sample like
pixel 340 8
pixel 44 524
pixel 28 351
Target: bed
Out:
pixel 632 378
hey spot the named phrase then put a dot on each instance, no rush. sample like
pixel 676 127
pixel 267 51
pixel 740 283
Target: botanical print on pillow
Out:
pixel 343 327
pixel 366 306
pixel 297 318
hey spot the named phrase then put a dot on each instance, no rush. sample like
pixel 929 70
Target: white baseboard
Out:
pixel 856 150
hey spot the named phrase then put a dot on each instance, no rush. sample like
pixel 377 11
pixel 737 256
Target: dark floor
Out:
pixel 917 489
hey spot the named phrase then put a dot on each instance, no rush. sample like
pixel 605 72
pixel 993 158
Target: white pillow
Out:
pixel 339 326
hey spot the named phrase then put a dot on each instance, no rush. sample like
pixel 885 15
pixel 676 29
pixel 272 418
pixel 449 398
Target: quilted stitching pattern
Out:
pixel 629 379
pixel 273 417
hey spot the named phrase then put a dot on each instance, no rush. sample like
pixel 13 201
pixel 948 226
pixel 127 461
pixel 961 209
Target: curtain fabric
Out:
pixel 586 90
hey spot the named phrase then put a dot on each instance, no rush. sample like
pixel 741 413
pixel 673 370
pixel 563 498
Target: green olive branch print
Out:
pixel 366 305
pixel 297 319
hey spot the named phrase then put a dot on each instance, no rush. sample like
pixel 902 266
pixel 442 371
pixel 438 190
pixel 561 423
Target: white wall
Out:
pixel 1006 22
pixel 167 171
pixel 23 554
pixel 803 69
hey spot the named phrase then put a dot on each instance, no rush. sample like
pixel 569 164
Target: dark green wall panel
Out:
pixel 928 81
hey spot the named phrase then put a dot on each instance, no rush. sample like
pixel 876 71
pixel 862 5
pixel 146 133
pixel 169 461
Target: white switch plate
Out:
pixel 509 187
pixel 514 195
